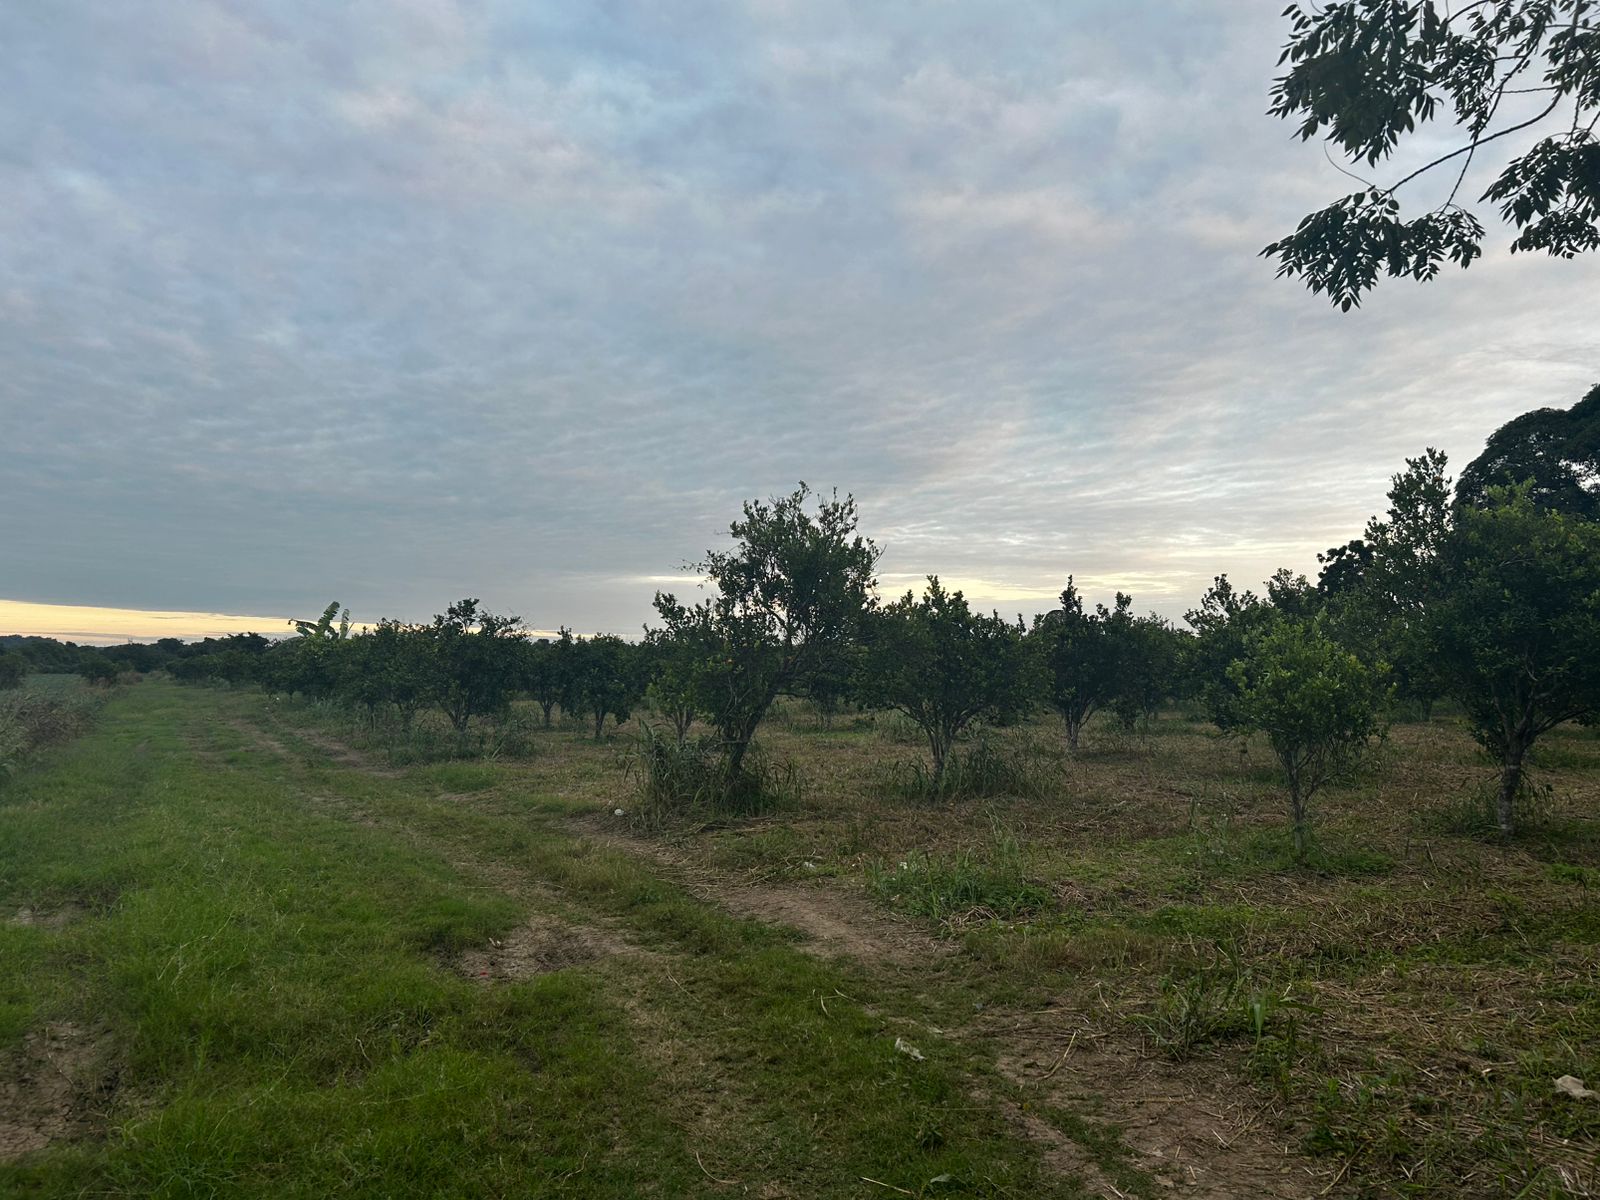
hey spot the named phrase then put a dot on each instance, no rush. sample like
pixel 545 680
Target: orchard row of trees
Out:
pixel 1487 592
pixel 468 664
pixel 23 656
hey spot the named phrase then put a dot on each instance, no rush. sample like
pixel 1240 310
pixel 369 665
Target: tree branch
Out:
pixel 1476 142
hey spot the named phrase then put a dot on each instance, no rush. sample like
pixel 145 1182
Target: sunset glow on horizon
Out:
pixel 110 626
pixel 96 626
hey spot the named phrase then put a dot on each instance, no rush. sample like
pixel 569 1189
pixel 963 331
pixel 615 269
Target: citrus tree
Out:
pixel 1516 630
pixel 944 666
pixel 1317 703
pixel 789 593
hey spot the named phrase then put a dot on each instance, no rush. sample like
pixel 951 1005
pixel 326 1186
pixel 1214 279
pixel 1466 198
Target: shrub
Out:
pixel 13 670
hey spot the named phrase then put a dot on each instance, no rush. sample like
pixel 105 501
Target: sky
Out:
pixel 394 303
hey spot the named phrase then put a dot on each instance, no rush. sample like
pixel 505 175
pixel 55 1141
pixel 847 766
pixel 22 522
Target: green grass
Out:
pixel 264 936
pixel 990 884
pixel 265 972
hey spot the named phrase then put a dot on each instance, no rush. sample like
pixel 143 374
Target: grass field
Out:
pixel 246 957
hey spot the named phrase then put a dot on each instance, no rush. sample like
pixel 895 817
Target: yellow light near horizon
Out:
pixel 109 626
pixel 974 589
pixel 112 626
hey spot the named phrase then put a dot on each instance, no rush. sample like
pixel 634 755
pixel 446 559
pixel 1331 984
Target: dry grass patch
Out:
pixel 538 946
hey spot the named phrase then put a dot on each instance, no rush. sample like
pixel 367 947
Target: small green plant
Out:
pixel 1219 1002
pixel 1585 877
pixel 950 889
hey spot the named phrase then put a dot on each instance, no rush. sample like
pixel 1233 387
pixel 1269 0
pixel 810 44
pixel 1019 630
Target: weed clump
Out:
pixel 688 780
pixel 986 771
pixel 1222 1002
pixel 1472 812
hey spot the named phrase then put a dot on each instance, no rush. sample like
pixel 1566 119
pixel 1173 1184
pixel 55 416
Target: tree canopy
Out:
pixel 1365 75
pixel 1555 451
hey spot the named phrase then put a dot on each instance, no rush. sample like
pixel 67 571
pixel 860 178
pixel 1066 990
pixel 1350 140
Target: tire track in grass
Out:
pixel 1126 1146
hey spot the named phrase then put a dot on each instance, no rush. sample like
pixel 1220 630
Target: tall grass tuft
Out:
pixel 986 770
pixel 41 714
pixel 688 780
pixel 1219 1002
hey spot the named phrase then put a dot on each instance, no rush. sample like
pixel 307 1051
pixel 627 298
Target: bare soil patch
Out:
pixel 835 919
pixel 47 918
pixel 1200 1132
pixel 53 1087
pixel 1063 1156
pixel 541 945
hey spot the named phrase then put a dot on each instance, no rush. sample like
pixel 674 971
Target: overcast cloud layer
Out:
pixel 397 302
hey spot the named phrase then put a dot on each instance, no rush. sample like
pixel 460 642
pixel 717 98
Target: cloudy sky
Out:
pixel 398 302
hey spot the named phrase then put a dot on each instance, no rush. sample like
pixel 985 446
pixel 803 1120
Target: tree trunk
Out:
pixel 547 705
pixel 939 752
pixel 1510 781
pixel 1297 814
pixel 599 724
pixel 736 751
pixel 1073 727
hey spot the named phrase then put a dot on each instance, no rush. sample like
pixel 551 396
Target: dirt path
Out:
pixel 345 755
pixel 341 754
pixel 260 738
pixel 836 918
